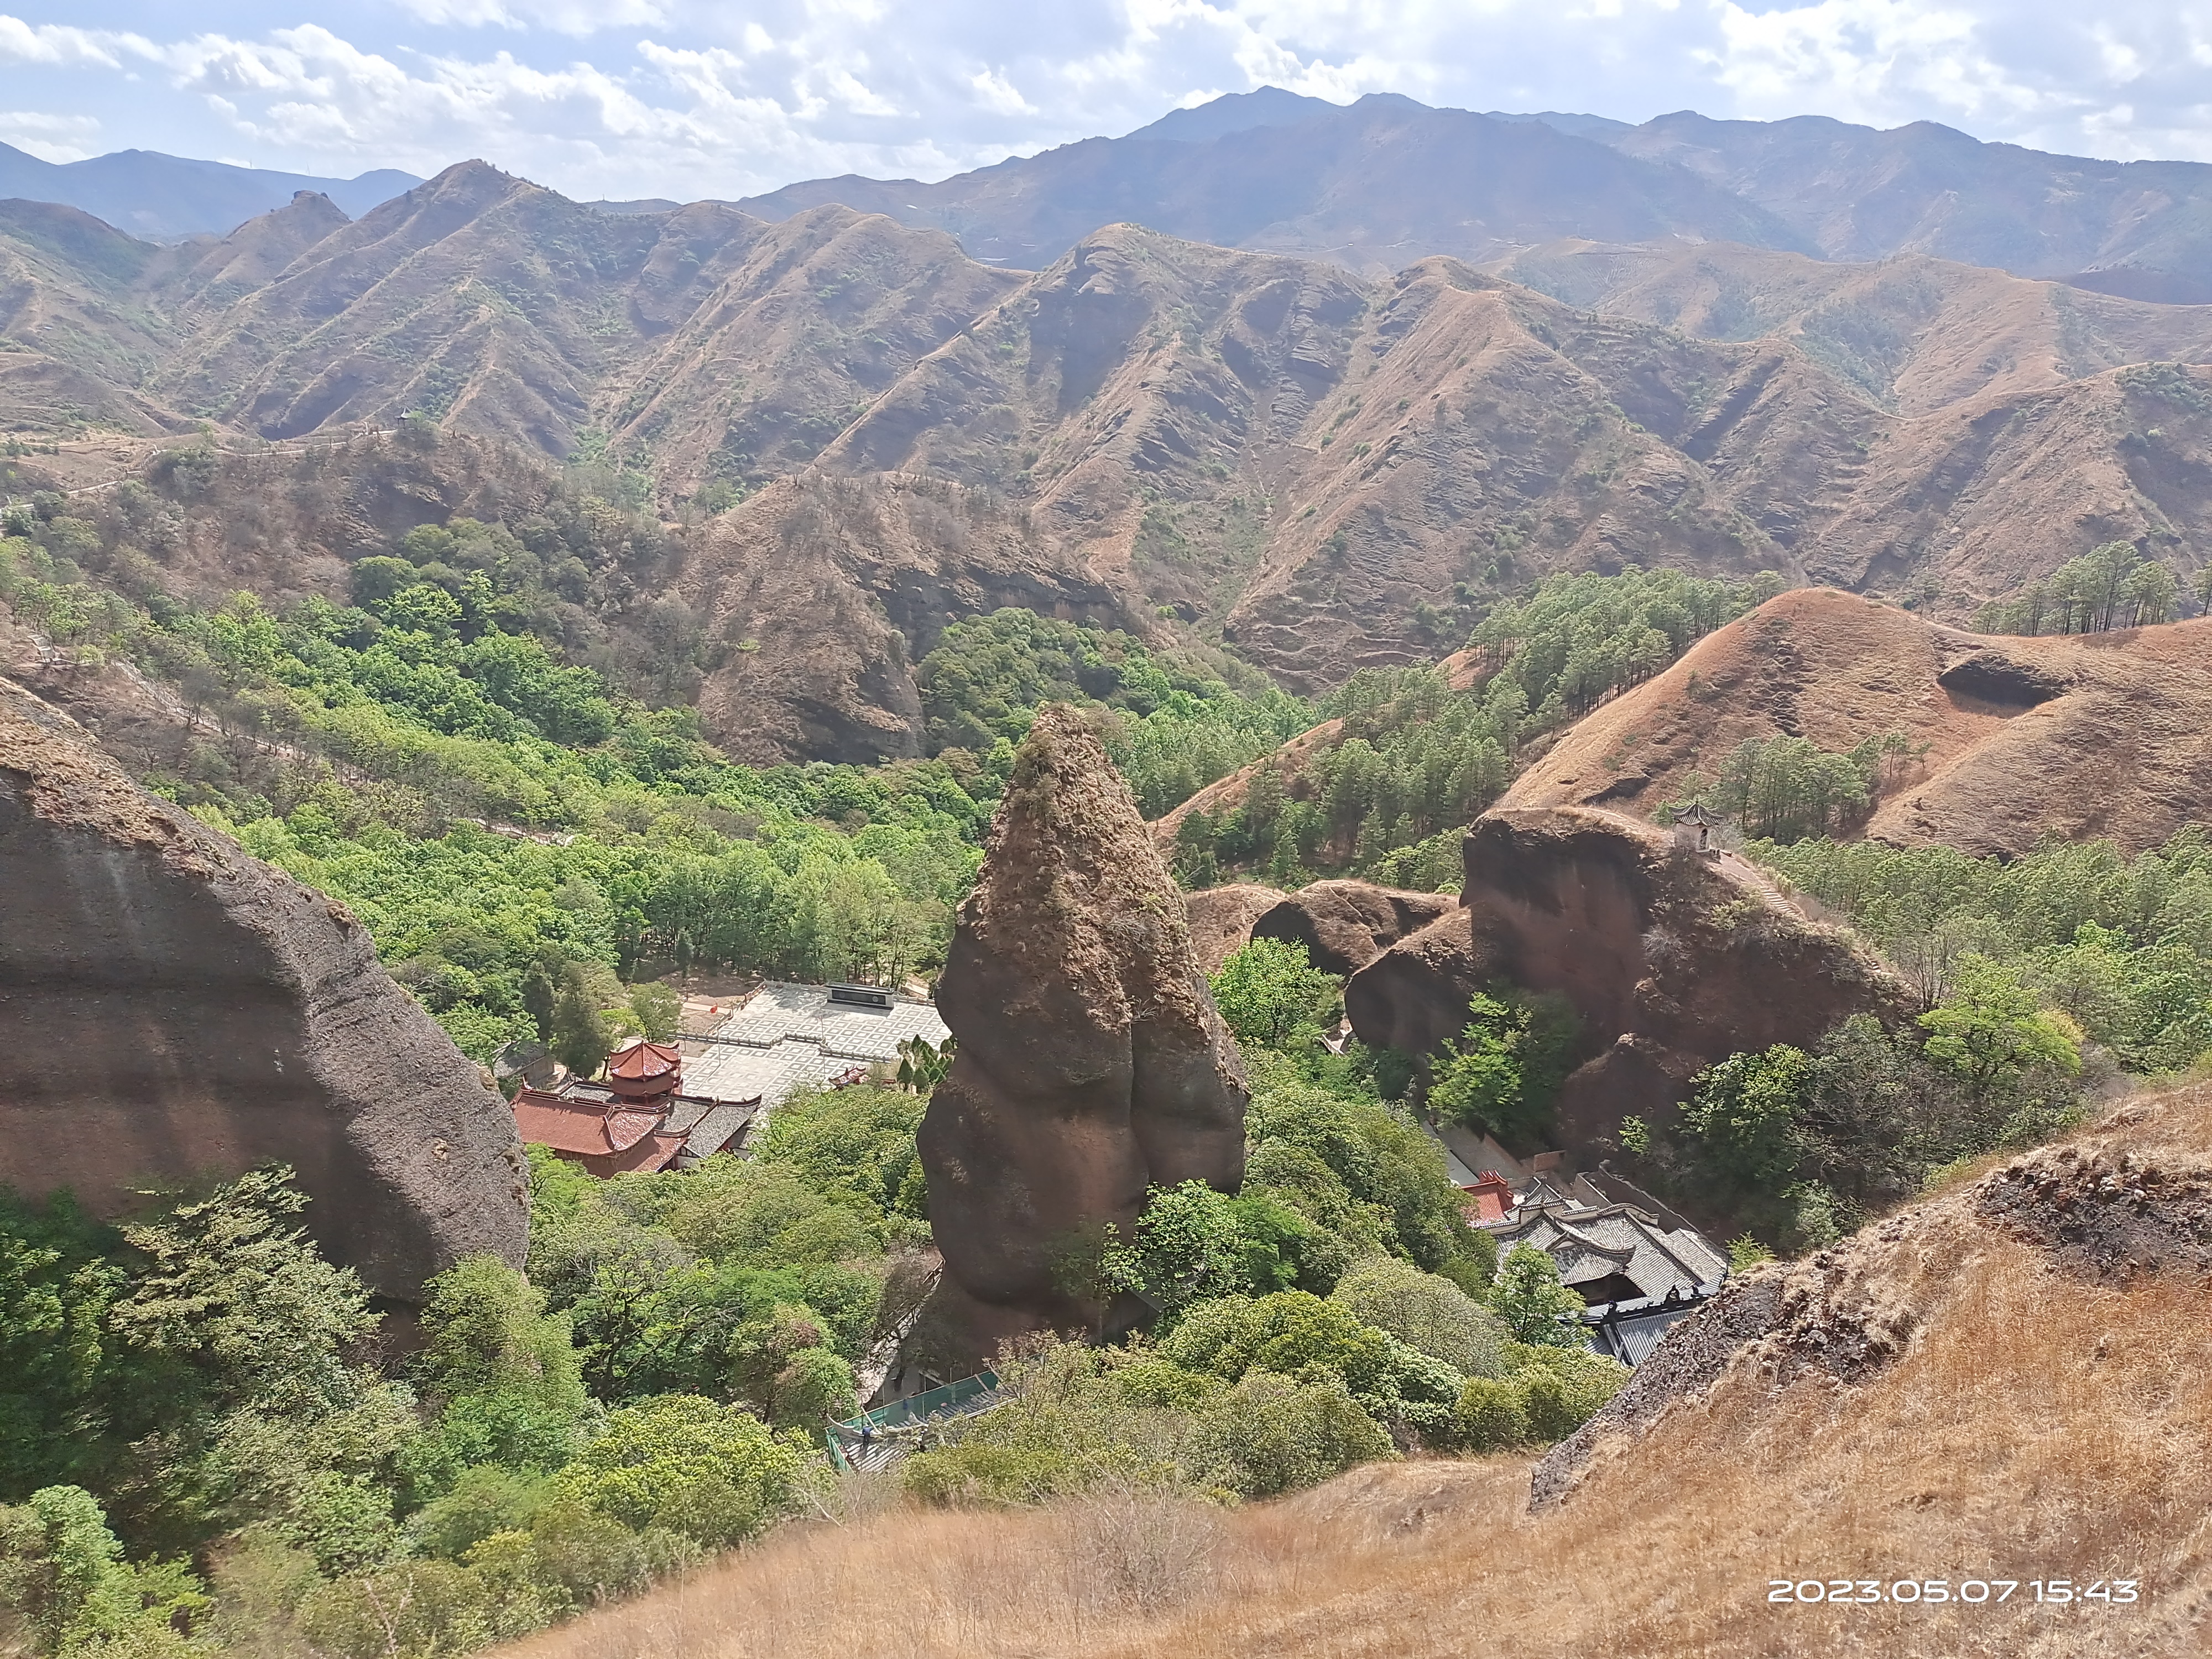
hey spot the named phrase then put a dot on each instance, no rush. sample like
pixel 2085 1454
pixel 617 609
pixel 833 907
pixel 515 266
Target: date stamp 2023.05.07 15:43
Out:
pixel 1970 1592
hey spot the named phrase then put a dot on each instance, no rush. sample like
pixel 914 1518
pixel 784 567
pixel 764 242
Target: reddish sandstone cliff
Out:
pixel 172 1009
pixel 1091 1062
pixel 1672 959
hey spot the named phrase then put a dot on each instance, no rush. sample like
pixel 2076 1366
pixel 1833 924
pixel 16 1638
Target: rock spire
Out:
pixel 1091 1062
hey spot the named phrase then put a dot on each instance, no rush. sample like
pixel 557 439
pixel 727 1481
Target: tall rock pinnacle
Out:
pixel 1091 1062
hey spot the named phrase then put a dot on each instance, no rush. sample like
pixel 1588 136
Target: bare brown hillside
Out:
pixel 818 315
pixel 1320 471
pixel 823 592
pixel 479 299
pixel 75 345
pixel 2003 1385
pixel 1334 474
pixel 2101 734
pixel 1917 334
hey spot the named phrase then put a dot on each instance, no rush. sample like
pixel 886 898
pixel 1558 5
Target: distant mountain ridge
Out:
pixel 160 198
pixel 1375 185
pixel 1370 186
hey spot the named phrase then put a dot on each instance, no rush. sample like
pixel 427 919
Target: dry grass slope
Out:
pixel 2028 1413
pixel 2119 750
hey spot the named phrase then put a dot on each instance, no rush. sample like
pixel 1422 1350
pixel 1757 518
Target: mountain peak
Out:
pixel 1235 112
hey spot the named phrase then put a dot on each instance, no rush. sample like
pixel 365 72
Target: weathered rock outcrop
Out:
pixel 1414 996
pixel 1091 1062
pixel 171 1008
pixel 1672 959
pixel 1221 920
pixel 1346 924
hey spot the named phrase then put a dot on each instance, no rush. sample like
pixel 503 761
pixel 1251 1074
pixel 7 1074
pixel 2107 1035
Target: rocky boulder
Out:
pixel 171 1008
pixel 1346 924
pixel 1091 1062
pixel 1414 996
pixel 1221 920
pixel 1672 959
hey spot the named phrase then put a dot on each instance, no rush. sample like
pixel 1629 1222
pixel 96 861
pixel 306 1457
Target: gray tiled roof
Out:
pixel 1631 1338
pixel 1592 1243
pixel 788 1036
pixel 707 1125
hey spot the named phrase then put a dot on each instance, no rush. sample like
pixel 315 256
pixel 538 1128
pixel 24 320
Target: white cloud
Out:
pixel 60 46
pixel 49 138
pixel 1863 60
pixel 999 94
pixel 562 17
pixel 683 98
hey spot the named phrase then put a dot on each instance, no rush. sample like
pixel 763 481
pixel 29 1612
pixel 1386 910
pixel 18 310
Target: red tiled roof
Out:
pixel 575 1126
pixel 627 1125
pixel 606 1140
pixel 653 1152
pixel 1490 1198
pixel 642 1058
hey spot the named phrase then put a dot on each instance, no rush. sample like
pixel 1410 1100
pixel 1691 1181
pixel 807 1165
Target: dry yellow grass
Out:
pixel 2036 1427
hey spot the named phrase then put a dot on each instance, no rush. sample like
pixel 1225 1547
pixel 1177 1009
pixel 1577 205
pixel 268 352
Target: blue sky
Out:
pixel 630 98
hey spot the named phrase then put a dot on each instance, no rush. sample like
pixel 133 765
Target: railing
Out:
pixel 875 1439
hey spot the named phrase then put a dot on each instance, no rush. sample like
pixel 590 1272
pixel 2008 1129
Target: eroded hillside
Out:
pixel 1319 471
pixel 2009 740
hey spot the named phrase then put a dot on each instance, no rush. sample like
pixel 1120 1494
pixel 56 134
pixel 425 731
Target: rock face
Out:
pixel 1414 996
pixel 1221 920
pixel 171 1008
pixel 1091 1062
pixel 1346 924
pixel 1672 959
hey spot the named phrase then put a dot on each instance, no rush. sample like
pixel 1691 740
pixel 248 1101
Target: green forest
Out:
pixel 526 837
pixel 506 823
pixel 2111 586
pixel 2043 983
pixel 1414 760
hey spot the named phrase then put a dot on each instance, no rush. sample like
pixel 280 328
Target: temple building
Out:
pixel 1637 1265
pixel 637 1118
pixel 645 1114
pixel 789 1037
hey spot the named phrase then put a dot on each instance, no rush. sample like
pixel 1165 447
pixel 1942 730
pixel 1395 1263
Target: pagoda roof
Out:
pixel 642 1059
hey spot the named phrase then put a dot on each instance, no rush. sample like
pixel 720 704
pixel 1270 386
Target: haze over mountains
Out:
pixel 1319 461
pixel 163 197
pixel 1375 185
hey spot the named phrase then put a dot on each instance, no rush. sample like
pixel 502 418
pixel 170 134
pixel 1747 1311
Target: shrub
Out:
pixel 1274 1434
pixel 814 1387
pixel 1589 1381
pixel 1549 1405
pixel 483 1501
pixel 1532 1302
pixel 62 1571
pixel 1503 1071
pixel 1270 989
pixel 1426 1311
pixel 577 1557
pixel 683 1464
pixel 980 1473
pixel 416 1607
pixel 1491 1415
